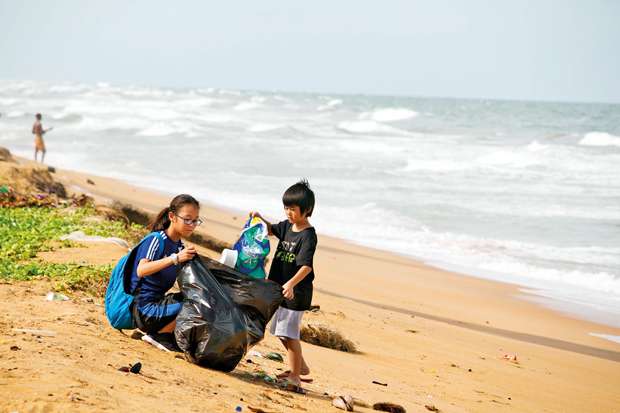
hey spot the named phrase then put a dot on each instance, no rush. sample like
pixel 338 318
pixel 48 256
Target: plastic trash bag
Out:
pixel 224 313
pixel 252 248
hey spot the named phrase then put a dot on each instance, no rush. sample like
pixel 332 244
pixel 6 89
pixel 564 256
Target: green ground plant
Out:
pixel 26 231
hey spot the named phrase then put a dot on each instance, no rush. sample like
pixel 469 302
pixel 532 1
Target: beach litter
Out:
pixel 36 332
pixel 132 368
pixel 431 407
pixel 379 383
pixel 80 236
pixel 254 353
pixel 262 375
pixel 389 407
pixel 135 369
pixel 510 357
pixel 274 356
pixel 343 403
pixel 155 343
pixel 52 296
pixel 292 387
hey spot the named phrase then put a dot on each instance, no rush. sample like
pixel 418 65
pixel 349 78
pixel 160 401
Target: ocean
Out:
pixel 521 192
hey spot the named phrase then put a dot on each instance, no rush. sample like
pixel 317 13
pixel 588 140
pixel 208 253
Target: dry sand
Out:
pixel 435 338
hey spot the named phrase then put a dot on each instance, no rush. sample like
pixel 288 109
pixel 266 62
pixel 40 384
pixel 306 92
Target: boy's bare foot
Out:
pixel 286 374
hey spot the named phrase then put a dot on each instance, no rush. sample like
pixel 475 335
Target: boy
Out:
pixel 292 268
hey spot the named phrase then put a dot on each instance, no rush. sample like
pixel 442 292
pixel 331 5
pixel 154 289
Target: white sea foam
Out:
pixel 67 117
pixel 8 101
pixel 246 105
pixel 15 114
pixel 600 139
pixel 264 127
pixel 369 127
pixel 534 146
pixel 435 165
pixel 508 158
pixel 67 88
pixel 329 105
pixel 609 337
pixel 158 129
pixel 389 114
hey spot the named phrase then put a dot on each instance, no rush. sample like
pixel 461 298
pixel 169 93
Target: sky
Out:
pixel 544 50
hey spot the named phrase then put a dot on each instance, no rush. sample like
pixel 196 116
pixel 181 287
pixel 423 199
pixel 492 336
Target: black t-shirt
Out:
pixel 295 250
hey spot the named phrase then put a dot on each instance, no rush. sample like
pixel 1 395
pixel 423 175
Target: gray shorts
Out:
pixel 286 323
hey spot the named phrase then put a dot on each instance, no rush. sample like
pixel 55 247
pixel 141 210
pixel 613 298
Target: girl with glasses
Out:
pixel 155 269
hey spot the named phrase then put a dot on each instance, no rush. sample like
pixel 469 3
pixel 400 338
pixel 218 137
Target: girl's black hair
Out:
pixel 300 195
pixel 162 221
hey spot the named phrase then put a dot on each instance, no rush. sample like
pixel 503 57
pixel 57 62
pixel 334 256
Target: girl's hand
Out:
pixel 186 254
pixel 287 291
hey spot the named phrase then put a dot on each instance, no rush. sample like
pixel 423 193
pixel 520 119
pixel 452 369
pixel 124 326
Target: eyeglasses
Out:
pixel 189 221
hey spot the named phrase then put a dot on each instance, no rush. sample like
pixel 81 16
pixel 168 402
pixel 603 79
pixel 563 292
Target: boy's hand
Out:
pixel 256 214
pixel 287 291
pixel 187 254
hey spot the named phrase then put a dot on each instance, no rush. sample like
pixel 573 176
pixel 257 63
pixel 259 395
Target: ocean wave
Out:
pixel 389 114
pixel 67 88
pixel 601 282
pixel 67 117
pixel 264 127
pixel 508 158
pixel 534 146
pixel 229 92
pixel 329 105
pixel 157 130
pixel 368 127
pixel 610 337
pixel 246 105
pixel 435 165
pixel 599 139
pixel 8 101
pixel 142 92
pixel 15 114
pixel 215 118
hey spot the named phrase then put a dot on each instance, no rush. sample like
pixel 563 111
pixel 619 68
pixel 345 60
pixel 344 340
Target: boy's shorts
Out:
pixel 152 317
pixel 286 323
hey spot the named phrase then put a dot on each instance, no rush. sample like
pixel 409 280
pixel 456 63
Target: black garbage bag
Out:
pixel 224 313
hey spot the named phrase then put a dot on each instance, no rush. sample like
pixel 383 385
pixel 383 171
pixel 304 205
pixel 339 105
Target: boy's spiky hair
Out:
pixel 300 195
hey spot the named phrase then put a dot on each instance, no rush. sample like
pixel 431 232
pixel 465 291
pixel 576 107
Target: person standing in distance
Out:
pixel 38 132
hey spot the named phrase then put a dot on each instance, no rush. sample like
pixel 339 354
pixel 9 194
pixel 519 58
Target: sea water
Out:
pixel 523 192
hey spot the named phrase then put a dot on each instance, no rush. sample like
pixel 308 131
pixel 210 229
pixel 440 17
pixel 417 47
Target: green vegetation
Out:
pixel 26 231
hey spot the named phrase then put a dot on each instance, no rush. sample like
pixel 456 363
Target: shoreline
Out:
pixel 434 337
pixel 537 295
pixel 227 222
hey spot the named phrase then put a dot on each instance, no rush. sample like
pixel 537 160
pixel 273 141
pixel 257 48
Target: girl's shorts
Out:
pixel 152 317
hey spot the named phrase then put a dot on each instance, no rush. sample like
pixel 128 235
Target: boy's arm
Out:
pixel 287 288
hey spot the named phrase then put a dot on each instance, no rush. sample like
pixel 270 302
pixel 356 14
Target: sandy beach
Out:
pixel 431 337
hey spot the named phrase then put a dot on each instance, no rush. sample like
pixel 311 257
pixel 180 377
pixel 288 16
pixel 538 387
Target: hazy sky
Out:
pixel 550 50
